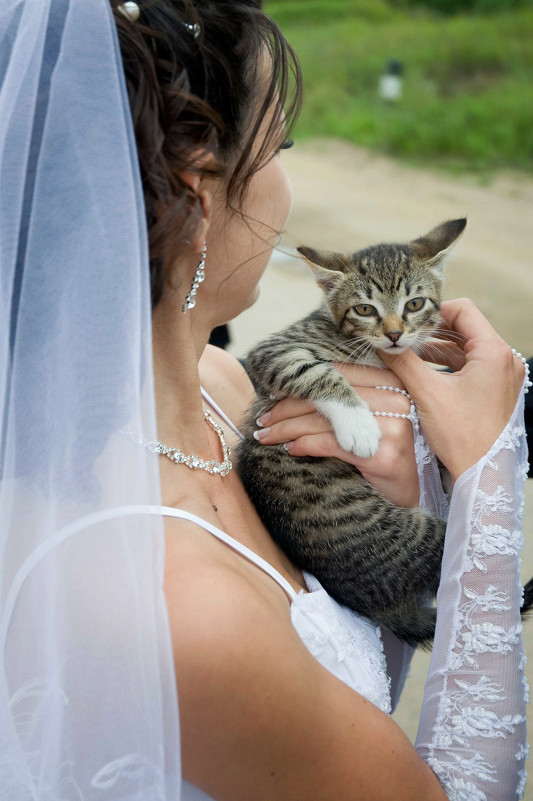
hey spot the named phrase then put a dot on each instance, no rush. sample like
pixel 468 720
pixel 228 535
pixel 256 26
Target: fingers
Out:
pixel 379 400
pixel 320 445
pixel 463 316
pixel 445 331
pixel 409 367
pixel 360 375
pixel 286 409
pixel 291 428
pixel 313 433
pixel 396 436
pixel 290 419
pixel 440 351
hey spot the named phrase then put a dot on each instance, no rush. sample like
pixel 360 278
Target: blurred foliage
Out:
pixel 306 12
pixel 460 6
pixel 468 79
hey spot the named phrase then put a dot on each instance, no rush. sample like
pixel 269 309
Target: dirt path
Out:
pixel 346 198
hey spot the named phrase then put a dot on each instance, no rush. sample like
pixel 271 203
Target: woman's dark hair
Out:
pixel 195 79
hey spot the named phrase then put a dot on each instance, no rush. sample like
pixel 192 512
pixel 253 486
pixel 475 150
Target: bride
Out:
pixel 143 173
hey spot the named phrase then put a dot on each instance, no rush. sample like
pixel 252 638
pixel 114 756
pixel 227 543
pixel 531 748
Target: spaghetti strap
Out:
pixel 207 397
pixel 86 522
pixel 169 511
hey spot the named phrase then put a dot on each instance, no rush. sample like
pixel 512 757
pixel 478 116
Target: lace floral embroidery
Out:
pixel 432 495
pixel 470 707
pixel 341 649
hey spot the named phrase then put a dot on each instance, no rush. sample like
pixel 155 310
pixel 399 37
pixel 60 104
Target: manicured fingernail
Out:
pixel 288 446
pixel 263 420
pixel 262 434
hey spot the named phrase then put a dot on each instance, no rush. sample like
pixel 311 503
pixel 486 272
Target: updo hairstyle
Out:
pixel 203 88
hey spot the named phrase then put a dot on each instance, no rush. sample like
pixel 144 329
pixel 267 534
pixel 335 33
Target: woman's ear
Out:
pixel 204 194
pixel 196 239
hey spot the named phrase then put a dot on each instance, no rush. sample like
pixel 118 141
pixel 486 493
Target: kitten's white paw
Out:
pixel 356 429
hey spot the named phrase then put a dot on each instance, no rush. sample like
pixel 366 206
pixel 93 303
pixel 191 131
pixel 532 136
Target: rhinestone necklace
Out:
pixel 192 461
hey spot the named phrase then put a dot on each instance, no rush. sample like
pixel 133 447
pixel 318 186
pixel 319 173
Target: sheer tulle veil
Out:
pixel 88 706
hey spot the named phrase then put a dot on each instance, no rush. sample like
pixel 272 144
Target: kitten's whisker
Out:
pixel 365 349
pixel 359 343
pixel 449 334
pixel 353 340
pixel 430 335
pixel 358 352
pixel 439 353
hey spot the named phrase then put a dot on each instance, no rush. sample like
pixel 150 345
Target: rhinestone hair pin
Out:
pixel 193 29
pixel 130 10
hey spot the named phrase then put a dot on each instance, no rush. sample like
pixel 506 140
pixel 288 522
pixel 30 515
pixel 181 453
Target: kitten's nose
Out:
pixel 394 336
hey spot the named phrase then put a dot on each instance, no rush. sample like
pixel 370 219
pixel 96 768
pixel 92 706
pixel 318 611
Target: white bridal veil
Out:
pixel 88 706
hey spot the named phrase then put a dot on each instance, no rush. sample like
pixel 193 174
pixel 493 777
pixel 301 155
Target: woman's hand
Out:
pixel 307 433
pixel 463 413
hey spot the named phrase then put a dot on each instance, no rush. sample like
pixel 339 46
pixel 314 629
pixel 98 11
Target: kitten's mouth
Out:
pixel 395 347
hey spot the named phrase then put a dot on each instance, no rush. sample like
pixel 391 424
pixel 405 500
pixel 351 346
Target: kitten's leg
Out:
pixel 301 374
pixel 355 427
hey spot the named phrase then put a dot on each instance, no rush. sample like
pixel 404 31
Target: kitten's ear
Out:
pixel 435 247
pixel 328 268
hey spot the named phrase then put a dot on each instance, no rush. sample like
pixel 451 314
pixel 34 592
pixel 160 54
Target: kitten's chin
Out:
pixel 392 348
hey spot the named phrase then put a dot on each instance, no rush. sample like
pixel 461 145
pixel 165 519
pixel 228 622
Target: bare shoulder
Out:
pixel 214 583
pixel 225 379
pixel 259 716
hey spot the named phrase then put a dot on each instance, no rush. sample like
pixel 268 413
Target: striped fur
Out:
pixel 377 558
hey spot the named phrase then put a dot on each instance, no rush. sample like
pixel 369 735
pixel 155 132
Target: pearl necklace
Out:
pixel 196 462
pixel 527 382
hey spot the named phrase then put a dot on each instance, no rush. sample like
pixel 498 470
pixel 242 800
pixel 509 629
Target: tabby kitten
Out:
pixel 377 558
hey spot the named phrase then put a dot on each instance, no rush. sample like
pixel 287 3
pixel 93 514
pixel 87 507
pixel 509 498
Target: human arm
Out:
pixel 260 717
pixel 472 725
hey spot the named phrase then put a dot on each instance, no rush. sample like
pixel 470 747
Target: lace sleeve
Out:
pixel 472 728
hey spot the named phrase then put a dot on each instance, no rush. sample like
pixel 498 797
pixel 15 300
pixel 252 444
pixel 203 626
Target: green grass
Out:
pixel 468 82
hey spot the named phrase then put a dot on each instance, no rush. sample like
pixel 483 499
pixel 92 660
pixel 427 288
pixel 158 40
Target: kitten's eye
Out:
pixel 365 310
pixel 415 304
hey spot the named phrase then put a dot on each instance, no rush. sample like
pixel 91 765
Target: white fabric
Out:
pixel 472 726
pixel 88 706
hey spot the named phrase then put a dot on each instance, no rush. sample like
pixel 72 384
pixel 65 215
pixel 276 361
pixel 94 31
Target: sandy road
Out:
pixel 345 199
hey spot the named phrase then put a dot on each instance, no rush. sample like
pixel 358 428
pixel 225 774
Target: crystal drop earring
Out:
pixel 199 275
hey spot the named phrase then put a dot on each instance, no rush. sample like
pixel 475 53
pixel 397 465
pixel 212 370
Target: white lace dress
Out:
pixel 472 729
